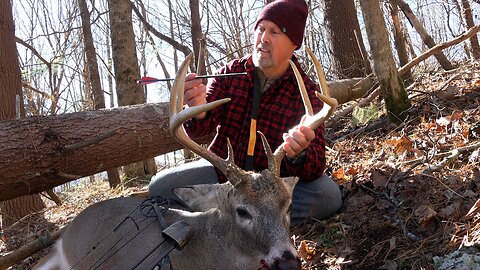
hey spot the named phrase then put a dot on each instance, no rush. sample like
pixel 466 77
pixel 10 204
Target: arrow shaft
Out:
pixel 149 80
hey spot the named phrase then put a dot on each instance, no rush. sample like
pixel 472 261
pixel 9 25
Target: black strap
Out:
pixel 253 123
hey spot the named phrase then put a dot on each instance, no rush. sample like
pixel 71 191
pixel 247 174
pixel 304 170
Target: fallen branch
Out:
pixel 452 156
pixel 28 250
pixel 441 46
pixel 375 93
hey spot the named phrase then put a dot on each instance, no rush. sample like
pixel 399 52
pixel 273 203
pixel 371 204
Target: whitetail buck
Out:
pixel 242 224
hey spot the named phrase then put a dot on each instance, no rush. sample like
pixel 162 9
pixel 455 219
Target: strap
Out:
pixel 253 123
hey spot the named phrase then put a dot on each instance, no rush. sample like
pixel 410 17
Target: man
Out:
pixel 278 32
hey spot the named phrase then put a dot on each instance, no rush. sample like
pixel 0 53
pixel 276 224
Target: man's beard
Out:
pixel 263 62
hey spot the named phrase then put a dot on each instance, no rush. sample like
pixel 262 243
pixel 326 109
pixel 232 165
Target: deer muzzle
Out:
pixel 288 261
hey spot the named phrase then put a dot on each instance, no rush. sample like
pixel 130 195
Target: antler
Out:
pixel 178 116
pixel 312 120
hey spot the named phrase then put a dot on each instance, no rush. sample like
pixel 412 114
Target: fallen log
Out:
pixel 38 153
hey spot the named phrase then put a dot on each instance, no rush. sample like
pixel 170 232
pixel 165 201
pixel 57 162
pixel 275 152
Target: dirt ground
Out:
pixel 411 191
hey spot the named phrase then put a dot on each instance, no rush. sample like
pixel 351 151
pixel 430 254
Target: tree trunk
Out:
pixel 10 88
pixel 468 18
pixel 427 39
pixel 14 210
pixel 343 29
pixel 10 76
pixel 396 99
pixel 94 75
pixel 400 41
pixel 198 40
pixel 126 67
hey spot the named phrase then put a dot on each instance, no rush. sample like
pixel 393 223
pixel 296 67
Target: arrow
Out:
pixel 149 80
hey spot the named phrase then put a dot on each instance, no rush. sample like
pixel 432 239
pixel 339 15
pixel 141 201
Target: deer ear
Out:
pixel 203 197
pixel 290 183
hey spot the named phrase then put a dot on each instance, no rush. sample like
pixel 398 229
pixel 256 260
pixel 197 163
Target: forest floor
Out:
pixel 411 191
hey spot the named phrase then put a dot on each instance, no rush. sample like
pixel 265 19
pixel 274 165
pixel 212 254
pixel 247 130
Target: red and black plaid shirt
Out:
pixel 281 108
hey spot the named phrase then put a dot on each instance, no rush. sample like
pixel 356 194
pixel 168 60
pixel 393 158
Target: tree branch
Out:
pixel 375 93
pixel 186 51
pixel 28 250
pixel 452 156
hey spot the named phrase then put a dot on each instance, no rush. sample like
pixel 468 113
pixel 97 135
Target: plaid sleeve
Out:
pixel 198 128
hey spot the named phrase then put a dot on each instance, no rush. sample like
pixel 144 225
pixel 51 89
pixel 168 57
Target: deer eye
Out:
pixel 243 213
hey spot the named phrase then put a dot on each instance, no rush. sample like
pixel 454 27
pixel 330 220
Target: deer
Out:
pixel 241 224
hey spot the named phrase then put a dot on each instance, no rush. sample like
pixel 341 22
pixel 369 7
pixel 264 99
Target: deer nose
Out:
pixel 288 261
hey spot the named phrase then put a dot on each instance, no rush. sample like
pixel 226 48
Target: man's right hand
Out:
pixel 195 93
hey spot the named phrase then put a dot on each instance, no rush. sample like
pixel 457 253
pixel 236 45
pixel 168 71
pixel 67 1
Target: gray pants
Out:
pixel 318 199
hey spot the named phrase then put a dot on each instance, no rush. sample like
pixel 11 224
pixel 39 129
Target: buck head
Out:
pixel 252 220
pixel 253 206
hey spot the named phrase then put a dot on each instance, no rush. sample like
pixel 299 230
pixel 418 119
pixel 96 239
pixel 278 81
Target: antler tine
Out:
pixel 324 88
pixel 312 120
pixel 303 92
pixel 272 164
pixel 178 116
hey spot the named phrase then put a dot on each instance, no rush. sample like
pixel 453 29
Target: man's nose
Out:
pixel 265 37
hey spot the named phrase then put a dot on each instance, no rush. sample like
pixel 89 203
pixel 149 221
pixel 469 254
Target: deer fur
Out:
pixel 235 227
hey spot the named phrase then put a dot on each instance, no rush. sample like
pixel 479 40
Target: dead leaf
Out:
pixel 477 83
pixel 444 121
pixel 475 156
pixel 339 174
pixel 404 144
pixel 450 92
pixel 378 179
pixel 425 213
pixel 418 153
pixel 360 200
pixel 352 171
pixel 449 210
pixel 400 145
pixel 456 116
pixel 306 250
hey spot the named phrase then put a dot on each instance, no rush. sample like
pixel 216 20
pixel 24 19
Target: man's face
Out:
pixel 272 47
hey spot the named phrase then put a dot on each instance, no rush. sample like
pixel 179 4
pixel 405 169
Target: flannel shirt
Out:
pixel 281 108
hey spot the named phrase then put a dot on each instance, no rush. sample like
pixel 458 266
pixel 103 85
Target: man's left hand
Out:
pixel 297 139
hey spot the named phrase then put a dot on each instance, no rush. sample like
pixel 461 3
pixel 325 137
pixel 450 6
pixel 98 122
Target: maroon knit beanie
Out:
pixel 289 15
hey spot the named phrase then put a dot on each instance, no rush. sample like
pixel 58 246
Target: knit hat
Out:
pixel 289 15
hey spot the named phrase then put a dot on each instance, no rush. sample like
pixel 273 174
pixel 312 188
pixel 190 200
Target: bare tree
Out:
pixel 346 43
pixel 198 40
pixel 127 71
pixel 11 107
pixel 396 99
pixel 400 40
pixel 468 21
pixel 427 39
pixel 93 75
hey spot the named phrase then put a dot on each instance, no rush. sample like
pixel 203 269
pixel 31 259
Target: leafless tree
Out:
pixel 395 96
pixel 11 107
